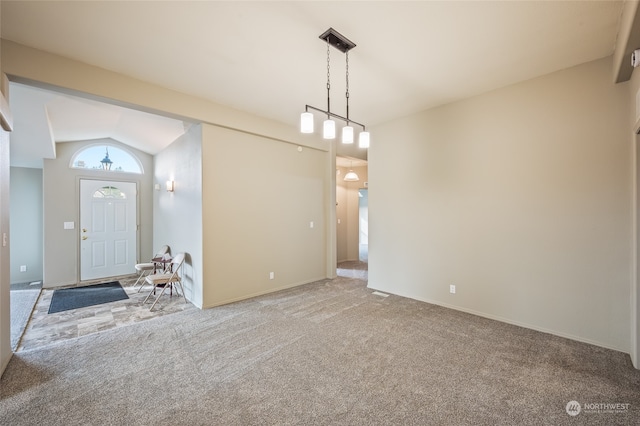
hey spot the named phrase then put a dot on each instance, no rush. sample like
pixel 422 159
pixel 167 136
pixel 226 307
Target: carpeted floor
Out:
pixel 330 352
pixel 23 299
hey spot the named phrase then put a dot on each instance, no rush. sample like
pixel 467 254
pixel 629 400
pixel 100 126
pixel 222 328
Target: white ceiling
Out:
pixel 266 58
pixel 42 118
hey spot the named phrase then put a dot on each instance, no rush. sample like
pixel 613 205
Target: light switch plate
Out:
pixel 69 225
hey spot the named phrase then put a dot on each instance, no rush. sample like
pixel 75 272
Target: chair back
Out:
pixel 178 260
pixel 176 264
pixel 163 250
pixel 168 280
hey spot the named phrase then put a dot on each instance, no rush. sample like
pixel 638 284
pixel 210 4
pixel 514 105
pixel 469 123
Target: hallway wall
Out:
pixel 27 246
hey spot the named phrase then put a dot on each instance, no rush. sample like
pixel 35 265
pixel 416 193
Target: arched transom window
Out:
pixel 109 192
pixel 107 158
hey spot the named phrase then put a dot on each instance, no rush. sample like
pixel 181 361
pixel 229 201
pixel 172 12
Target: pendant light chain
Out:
pixel 328 79
pixel 347 94
pixel 344 45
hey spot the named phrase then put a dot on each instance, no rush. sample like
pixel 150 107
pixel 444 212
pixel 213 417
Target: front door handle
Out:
pixel 84 237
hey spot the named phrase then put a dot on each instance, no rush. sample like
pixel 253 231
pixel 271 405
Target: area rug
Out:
pixel 78 297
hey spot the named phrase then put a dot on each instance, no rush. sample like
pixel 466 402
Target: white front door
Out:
pixel 107 228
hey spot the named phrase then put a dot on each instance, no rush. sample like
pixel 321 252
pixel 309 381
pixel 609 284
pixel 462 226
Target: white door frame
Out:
pixel 136 240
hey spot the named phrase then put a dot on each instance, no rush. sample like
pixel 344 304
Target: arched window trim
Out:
pixel 106 144
pixel 109 192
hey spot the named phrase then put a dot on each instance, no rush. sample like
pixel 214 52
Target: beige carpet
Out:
pixel 326 353
pixel 23 299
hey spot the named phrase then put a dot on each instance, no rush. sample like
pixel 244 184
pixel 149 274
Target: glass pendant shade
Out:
pixel 329 129
pixel 351 176
pixel 363 140
pixel 347 134
pixel 306 122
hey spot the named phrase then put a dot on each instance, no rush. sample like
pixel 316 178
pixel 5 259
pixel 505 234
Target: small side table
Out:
pixel 164 262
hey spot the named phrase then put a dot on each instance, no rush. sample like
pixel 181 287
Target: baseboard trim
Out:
pixel 6 363
pixel 508 321
pixel 262 293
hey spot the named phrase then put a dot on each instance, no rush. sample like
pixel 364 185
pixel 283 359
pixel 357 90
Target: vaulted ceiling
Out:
pixel 265 57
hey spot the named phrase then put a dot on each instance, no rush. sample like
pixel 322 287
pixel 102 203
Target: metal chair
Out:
pixel 145 269
pixel 167 280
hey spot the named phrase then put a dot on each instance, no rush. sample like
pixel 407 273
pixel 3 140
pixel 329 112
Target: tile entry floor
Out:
pixel 44 328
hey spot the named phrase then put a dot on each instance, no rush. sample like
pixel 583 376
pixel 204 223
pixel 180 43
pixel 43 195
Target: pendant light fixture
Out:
pixel 340 42
pixel 106 161
pixel 351 176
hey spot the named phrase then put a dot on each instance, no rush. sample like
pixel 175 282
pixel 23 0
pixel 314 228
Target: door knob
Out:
pixel 84 229
pixel 84 237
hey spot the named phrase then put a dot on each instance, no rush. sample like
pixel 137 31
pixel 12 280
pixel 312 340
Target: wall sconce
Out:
pixel 169 186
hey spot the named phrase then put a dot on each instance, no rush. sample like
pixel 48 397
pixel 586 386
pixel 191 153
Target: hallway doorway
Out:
pixel 352 210
pixel 363 225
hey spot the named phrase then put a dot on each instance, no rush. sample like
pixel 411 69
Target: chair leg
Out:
pixel 159 295
pixel 140 277
pixel 153 291
pixel 182 291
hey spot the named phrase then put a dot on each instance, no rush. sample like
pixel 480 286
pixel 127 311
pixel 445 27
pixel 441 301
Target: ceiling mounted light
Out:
pixel 347 134
pixel 363 140
pixel 306 122
pixel 329 129
pixel 351 176
pixel 340 42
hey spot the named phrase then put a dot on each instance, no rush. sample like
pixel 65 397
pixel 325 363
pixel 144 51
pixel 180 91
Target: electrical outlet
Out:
pixel 452 289
pixel 272 275
pixel 23 268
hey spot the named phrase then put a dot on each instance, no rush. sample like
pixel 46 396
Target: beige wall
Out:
pixel 5 318
pixel 37 67
pixel 40 68
pixel 634 115
pixel 520 197
pixel 259 197
pixel 5 277
pixel 61 204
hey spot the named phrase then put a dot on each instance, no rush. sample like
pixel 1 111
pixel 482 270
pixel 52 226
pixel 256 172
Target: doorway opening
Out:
pixel 363 221
pixel 352 215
